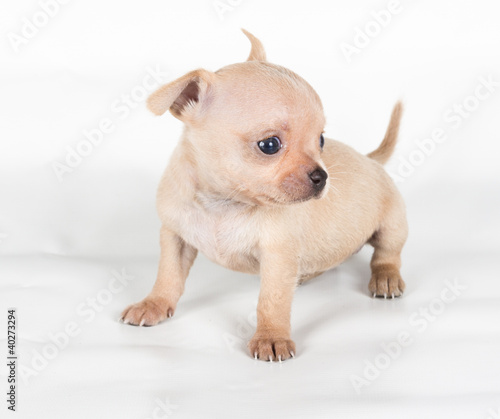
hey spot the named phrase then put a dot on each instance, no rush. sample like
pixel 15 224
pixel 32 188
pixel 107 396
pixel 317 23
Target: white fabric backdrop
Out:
pixel 79 233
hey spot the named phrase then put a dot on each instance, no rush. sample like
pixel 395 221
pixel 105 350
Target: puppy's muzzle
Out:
pixel 318 179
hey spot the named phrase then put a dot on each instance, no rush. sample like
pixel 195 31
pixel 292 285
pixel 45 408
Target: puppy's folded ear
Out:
pixel 184 97
pixel 257 53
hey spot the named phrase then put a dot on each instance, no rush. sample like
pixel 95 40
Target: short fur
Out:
pixel 259 213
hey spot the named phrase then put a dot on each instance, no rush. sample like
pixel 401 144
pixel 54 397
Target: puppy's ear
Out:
pixel 257 53
pixel 184 97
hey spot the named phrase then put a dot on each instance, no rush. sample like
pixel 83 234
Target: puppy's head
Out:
pixel 254 128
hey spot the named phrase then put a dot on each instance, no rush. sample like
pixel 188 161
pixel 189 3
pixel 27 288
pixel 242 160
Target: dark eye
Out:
pixel 321 141
pixel 270 145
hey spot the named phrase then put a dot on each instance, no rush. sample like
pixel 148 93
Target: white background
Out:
pixel 61 239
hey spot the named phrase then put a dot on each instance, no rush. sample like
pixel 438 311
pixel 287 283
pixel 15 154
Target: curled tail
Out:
pixel 386 148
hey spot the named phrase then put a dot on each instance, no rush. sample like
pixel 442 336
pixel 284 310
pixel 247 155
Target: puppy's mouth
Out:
pixel 315 195
pixel 293 189
pixel 297 188
pixel 289 199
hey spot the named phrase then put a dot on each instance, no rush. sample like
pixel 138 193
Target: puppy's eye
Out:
pixel 270 145
pixel 321 141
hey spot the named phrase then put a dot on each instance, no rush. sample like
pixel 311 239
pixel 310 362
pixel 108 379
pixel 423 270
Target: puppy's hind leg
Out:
pixel 176 259
pixel 388 242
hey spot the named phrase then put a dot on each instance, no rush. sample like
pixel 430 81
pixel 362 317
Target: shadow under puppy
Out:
pixel 255 186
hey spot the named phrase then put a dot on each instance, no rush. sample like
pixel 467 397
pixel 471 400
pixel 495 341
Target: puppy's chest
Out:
pixel 226 234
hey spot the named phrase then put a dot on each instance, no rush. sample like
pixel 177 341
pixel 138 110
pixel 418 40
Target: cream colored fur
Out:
pixel 259 213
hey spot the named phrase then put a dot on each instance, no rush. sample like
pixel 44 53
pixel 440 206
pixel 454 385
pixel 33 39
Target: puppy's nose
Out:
pixel 318 178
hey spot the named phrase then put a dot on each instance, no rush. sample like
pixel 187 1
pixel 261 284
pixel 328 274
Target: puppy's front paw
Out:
pixel 386 282
pixel 148 312
pixel 271 349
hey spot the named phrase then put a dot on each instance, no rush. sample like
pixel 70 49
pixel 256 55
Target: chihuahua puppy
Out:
pixel 254 185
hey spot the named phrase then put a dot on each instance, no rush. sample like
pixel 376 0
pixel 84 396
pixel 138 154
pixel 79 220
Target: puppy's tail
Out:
pixel 386 148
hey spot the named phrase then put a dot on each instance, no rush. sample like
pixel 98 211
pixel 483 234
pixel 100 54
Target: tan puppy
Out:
pixel 252 186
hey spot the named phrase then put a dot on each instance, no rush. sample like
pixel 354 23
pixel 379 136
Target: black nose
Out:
pixel 318 178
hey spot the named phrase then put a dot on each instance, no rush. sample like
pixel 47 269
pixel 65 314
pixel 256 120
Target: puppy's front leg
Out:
pixel 176 259
pixel 278 282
